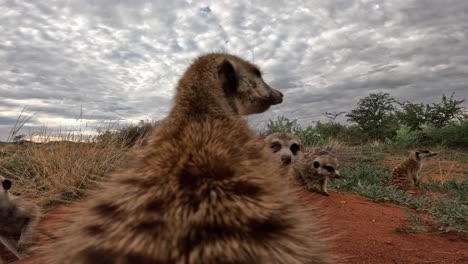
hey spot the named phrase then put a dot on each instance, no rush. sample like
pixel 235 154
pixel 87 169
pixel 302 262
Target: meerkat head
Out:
pixel 243 83
pixel 326 165
pixel 286 147
pixel 238 81
pixel 422 153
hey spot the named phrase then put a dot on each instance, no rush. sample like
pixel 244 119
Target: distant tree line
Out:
pixel 379 116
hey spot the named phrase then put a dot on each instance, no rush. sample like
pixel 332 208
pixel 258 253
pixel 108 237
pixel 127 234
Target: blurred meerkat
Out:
pixel 287 149
pixel 405 175
pixel 318 169
pixel 18 221
pixel 202 190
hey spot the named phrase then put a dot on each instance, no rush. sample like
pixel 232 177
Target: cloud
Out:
pixel 120 60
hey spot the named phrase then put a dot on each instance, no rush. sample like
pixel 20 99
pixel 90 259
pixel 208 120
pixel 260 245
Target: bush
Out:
pixel 282 125
pixel 437 115
pixel 375 115
pixel 405 138
pixel 453 135
pixel 308 135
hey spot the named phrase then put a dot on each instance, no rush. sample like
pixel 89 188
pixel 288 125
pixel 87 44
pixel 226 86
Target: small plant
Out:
pixel 416 223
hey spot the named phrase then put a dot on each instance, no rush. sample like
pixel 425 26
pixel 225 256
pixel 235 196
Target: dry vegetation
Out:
pixel 57 172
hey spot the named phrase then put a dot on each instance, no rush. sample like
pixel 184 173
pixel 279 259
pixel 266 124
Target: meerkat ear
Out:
pixel 6 184
pixel 228 76
pixel 417 153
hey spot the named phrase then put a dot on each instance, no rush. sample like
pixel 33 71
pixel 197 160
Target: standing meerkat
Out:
pixel 318 169
pixel 405 175
pixel 18 221
pixel 287 150
pixel 202 190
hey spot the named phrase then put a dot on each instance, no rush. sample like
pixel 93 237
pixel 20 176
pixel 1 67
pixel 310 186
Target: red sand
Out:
pixel 366 234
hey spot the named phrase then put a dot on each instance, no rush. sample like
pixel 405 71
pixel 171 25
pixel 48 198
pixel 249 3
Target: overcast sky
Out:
pixel 120 60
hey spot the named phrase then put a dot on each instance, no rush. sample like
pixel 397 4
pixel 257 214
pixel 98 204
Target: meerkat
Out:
pixel 405 175
pixel 322 167
pixel 287 149
pixel 18 221
pixel 202 190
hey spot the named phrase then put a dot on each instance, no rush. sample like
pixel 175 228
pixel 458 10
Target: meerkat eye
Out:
pixel 275 146
pixel 316 164
pixel 295 148
pixel 329 168
pixel 426 151
pixel 6 184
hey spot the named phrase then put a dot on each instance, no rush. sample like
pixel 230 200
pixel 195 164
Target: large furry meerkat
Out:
pixel 18 221
pixel 287 149
pixel 322 167
pixel 405 175
pixel 202 190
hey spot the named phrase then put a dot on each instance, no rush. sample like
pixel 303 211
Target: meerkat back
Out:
pixel 202 189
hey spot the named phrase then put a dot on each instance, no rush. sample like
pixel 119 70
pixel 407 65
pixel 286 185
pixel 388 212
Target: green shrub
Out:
pixel 453 135
pixel 282 125
pixel 405 138
pixel 375 114
pixel 308 135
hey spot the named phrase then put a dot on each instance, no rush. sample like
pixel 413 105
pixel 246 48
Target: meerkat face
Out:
pixel 285 146
pixel 252 95
pixel 423 153
pixel 326 166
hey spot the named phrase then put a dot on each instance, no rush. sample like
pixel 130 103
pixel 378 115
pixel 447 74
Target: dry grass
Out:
pixel 58 172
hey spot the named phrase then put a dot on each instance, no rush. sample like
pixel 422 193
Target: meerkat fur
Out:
pixel 405 175
pixel 203 189
pixel 18 221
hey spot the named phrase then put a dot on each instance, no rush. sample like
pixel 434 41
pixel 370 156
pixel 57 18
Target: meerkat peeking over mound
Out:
pixel 18 220
pixel 405 175
pixel 287 149
pixel 318 169
pixel 202 190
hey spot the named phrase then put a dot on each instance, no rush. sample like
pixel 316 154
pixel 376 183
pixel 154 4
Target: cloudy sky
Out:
pixel 119 61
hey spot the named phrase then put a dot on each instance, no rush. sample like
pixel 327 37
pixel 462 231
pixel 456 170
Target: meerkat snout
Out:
pixel 286 159
pixel 276 97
